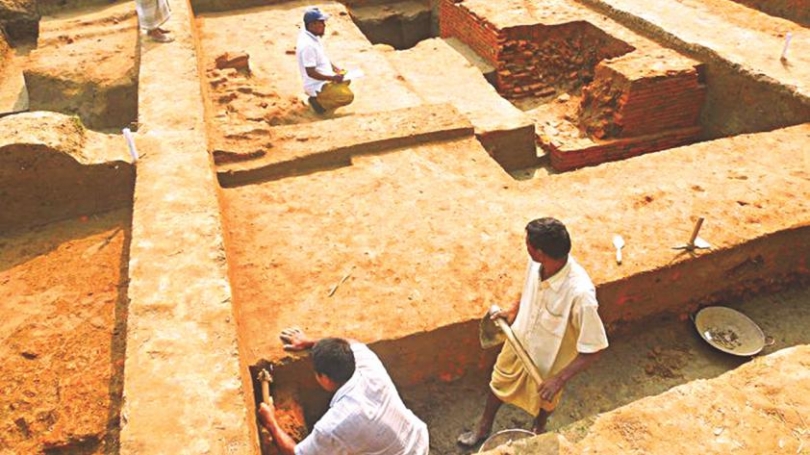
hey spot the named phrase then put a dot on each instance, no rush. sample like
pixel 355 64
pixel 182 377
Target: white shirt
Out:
pixel 558 317
pixel 367 416
pixel 310 54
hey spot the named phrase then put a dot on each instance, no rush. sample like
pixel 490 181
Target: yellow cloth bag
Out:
pixel 335 95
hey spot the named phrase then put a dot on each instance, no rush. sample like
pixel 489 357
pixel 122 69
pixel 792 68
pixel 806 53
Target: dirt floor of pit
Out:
pixel 63 311
pixel 428 236
pixel 654 357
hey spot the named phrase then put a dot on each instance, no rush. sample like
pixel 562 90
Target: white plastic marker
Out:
pixel 788 36
pixel 131 143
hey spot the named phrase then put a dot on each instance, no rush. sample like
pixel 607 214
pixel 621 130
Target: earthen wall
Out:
pixel 5 50
pixel 794 10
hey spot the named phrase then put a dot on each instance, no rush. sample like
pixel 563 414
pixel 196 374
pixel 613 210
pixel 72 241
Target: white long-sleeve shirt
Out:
pixel 367 416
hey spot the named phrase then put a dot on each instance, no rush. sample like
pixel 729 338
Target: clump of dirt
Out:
pixel 726 338
pixel 244 111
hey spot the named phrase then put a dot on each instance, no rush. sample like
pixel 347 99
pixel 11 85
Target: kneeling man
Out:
pixel 323 81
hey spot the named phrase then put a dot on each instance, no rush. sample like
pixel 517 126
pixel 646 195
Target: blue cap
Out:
pixel 314 14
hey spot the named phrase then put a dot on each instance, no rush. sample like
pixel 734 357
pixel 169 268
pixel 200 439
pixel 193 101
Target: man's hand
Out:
pixel 509 314
pixel 338 77
pixel 284 443
pixel 295 339
pixel 267 414
pixel 550 387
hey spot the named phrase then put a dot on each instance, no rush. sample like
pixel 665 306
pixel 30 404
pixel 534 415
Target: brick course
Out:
pixel 623 103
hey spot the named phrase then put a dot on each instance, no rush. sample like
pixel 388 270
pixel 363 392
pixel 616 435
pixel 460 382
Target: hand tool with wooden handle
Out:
pixel 510 337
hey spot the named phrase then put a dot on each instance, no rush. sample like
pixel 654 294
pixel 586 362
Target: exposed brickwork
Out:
pixel 541 61
pixel 456 21
pixel 568 159
pixel 624 101
pixel 633 101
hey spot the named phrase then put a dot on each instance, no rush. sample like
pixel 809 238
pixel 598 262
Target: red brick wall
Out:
pixel 614 105
pixel 535 60
pixel 541 60
pixel 661 103
pixel 456 21
pixel 566 160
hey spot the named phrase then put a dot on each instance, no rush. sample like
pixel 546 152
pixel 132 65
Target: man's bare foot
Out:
pixel 161 30
pixel 471 438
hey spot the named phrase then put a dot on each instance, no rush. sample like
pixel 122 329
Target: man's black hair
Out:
pixel 550 236
pixel 333 357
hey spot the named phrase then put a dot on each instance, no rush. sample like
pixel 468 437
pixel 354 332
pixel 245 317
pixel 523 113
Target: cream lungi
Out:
pixel 513 384
pixel 152 13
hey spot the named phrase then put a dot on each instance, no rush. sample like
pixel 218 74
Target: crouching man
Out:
pixel 366 414
pixel 323 81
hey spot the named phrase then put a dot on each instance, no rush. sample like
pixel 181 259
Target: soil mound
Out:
pixel 20 19
pixel 52 168
pixel 88 68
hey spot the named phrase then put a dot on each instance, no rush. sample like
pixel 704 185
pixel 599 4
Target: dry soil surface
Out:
pixel 62 320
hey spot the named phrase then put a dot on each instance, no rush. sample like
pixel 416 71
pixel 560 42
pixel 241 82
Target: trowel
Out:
pixel 493 332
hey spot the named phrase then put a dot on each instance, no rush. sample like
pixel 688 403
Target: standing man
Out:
pixel 366 414
pixel 557 323
pixel 151 15
pixel 323 81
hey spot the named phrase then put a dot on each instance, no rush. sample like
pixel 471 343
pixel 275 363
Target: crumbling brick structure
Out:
pixel 640 96
pixel 632 101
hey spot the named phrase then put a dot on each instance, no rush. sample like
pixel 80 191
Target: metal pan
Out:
pixel 730 331
pixel 504 437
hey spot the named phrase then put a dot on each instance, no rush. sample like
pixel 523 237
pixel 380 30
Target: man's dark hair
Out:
pixel 333 357
pixel 549 236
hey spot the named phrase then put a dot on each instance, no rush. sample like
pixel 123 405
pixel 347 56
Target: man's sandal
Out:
pixel 161 38
pixel 469 439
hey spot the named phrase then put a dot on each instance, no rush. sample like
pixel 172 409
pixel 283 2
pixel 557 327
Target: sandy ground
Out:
pixel 413 238
pixel 409 273
pixel 63 313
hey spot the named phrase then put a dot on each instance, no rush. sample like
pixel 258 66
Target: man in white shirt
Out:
pixel 366 414
pixel 556 321
pixel 323 81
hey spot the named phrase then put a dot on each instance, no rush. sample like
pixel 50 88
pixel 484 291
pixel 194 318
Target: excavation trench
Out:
pixel 442 375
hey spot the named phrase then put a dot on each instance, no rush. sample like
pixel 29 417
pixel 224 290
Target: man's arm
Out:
pixel 284 442
pixel 553 384
pixel 313 73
